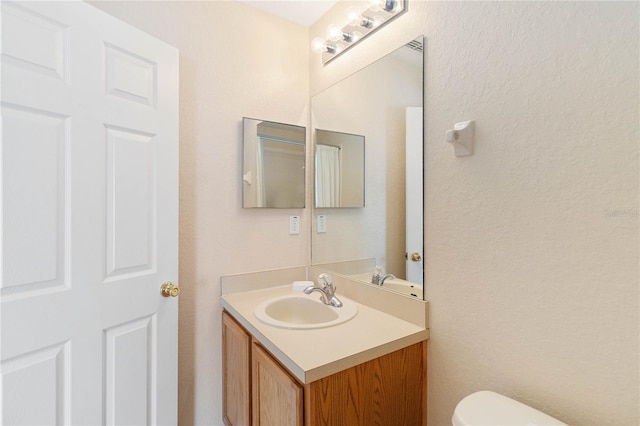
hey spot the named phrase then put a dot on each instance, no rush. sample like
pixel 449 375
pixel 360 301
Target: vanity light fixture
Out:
pixel 360 23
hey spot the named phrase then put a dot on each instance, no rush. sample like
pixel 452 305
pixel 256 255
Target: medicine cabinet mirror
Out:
pixel 273 173
pixel 382 103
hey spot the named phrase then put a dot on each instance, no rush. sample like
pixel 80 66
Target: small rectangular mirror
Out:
pixel 339 169
pixel 273 173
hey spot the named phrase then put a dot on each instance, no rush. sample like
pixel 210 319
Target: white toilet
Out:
pixel 486 408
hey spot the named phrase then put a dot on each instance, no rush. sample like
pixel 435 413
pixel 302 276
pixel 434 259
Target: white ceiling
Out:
pixel 304 12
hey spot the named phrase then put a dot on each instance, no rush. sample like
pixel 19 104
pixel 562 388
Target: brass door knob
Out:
pixel 168 289
pixel 416 257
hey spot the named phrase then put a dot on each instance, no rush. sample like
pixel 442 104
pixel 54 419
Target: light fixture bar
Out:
pixel 360 25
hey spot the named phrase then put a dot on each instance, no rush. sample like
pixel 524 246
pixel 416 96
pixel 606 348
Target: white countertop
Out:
pixel 316 353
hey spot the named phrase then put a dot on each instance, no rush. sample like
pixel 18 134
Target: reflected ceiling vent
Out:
pixel 415 45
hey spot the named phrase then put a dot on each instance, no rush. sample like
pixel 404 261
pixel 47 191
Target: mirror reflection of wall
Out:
pixel 339 169
pixel 374 102
pixel 274 165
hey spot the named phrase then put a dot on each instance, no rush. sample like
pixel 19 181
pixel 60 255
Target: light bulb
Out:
pixel 353 15
pixel 334 32
pixel 318 45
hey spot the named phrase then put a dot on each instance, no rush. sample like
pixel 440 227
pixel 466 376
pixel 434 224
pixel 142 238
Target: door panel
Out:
pixel 130 76
pixel 131 172
pixel 44 400
pixel 131 400
pixel 37 42
pixel 89 110
pixel 34 148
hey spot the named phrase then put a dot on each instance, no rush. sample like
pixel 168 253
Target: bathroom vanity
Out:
pixel 370 370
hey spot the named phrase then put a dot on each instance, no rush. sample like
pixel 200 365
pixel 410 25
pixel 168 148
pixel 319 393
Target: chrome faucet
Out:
pixel 385 276
pixel 327 291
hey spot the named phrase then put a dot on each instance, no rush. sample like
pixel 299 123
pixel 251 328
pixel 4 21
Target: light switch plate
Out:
pixel 322 223
pixel 294 225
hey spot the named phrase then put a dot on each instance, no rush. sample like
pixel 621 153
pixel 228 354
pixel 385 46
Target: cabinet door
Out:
pixel 389 390
pixel 277 397
pixel 236 367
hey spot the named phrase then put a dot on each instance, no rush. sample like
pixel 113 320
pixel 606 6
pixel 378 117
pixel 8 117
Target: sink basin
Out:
pixel 303 312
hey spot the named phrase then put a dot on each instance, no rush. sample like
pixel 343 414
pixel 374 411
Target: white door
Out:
pixel 414 195
pixel 89 202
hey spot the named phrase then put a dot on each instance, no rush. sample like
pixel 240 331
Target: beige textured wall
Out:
pixel 235 61
pixel 531 243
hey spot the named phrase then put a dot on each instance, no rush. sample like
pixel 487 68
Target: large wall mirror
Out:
pixel 382 103
pixel 273 171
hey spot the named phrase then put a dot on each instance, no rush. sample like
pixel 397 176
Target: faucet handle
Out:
pixel 324 279
pixel 326 282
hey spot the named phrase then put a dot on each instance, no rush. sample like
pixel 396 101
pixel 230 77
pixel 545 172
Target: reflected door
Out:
pixel 414 196
pixel 89 175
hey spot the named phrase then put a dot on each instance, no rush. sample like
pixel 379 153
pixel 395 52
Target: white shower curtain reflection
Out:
pixel 328 176
pixel 260 187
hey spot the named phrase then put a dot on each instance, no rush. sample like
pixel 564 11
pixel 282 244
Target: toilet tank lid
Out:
pixel 490 408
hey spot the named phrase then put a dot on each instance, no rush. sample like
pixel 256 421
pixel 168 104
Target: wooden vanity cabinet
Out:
pixel 389 390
